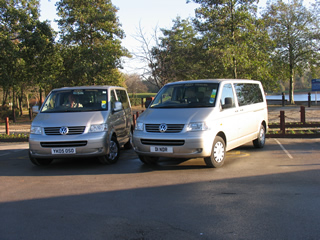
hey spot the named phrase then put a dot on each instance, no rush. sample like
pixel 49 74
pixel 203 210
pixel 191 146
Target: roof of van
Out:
pixel 217 80
pixel 87 87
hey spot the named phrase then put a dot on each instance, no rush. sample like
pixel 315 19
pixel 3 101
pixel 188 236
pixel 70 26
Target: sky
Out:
pixel 149 14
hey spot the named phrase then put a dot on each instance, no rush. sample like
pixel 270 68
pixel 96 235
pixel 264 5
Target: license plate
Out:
pixel 162 149
pixel 63 150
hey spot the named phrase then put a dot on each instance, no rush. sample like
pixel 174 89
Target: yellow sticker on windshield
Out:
pixel 104 104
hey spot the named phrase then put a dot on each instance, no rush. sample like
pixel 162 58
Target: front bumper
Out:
pixel 86 145
pixel 184 145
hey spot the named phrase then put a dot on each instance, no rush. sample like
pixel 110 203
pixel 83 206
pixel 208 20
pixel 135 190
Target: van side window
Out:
pixel 227 97
pixel 248 93
pixel 122 97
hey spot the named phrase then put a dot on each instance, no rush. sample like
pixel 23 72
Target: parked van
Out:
pixel 93 121
pixel 202 119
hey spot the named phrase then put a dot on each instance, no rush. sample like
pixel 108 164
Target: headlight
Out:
pixel 139 126
pixel 35 130
pixel 99 128
pixel 197 126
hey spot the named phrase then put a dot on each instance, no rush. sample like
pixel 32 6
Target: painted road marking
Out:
pixel 285 150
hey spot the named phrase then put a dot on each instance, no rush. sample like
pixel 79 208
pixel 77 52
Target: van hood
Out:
pixel 69 119
pixel 175 115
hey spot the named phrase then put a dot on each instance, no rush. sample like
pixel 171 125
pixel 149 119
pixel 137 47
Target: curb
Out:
pixel 293 135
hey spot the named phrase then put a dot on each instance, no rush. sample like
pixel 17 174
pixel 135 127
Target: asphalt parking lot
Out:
pixel 270 193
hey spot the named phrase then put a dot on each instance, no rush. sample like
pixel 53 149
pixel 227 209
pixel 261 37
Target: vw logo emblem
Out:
pixel 163 127
pixel 64 130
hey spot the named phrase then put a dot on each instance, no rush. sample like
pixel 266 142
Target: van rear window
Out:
pixel 248 93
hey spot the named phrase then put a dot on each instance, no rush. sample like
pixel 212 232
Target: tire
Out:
pixel 114 152
pixel 218 153
pixel 40 161
pixel 260 141
pixel 148 160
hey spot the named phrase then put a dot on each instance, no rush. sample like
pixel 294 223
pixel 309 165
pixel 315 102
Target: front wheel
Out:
pixel 260 141
pixel 218 153
pixel 114 153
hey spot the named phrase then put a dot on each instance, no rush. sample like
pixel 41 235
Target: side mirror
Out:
pixel 35 109
pixel 117 106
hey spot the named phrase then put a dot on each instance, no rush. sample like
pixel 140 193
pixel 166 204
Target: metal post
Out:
pixel 7 125
pixel 302 114
pixel 309 99
pixel 283 99
pixel 282 122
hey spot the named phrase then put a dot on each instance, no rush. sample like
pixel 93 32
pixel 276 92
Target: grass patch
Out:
pixel 14 136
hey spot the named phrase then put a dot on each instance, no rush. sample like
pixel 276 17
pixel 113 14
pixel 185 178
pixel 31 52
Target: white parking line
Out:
pixel 285 150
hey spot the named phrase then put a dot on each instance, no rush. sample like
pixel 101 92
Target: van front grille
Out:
pixel 71 130
pixel 63 144
pixel 162 142
pixel 171 128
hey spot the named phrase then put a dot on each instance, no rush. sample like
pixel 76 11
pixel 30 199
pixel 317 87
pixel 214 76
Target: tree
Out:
pixel 145 55
pixel 91 35
pixel 230 31
pixel 180 54
pixel 134 84
pixel 295 33
pixel 24 44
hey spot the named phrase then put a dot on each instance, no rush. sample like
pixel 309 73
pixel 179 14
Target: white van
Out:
pixel 93 121
pixel 202 119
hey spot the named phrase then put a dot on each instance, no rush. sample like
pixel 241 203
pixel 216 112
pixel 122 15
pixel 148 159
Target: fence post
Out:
pixel 7 125
pixel 282 122
pixel 134 121
pixel 302 114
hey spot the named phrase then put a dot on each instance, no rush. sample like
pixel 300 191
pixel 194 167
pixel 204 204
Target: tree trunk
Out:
pixel 291 89
pixel 20 105
pixel 28 104
pixel 291 66
pixel 13 105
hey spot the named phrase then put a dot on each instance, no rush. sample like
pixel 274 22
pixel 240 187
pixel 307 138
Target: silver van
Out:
pixel 202 119
pixel 93 121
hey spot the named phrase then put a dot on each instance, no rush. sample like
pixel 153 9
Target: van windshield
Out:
pixel 79 100
pixel 189 95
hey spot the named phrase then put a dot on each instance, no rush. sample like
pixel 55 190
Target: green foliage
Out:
pixel 8 113
pixel 224 40
pixel 137 98
pixel 294 31
pixel 91 46
pixel 15 136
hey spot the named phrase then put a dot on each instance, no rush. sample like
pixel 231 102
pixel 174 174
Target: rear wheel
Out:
pixel 148 160
pixel 260 141
pixel 114 152
pixel 218 153
pixel 40 161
